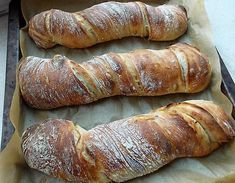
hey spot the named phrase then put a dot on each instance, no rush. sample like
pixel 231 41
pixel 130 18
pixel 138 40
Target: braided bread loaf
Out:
pixel 127 148
pixel 107 21
pixel 51 83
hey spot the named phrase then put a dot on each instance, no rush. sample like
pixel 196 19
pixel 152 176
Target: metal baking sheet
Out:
pixel 13 54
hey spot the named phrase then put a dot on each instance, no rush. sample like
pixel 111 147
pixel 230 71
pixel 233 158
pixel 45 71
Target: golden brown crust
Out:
pixel 127 148
pixel 51 83
pixel 107 21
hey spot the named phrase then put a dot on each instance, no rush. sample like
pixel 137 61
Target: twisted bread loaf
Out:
pixel 51 83
pixel 127 148
pixel 107 21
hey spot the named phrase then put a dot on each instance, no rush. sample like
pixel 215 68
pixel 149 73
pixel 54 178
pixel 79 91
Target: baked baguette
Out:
pixel 51 83
pixel 107 21
pixel 128 148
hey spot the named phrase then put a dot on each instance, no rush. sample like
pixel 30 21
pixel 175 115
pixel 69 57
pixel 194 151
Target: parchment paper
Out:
pixel 218 167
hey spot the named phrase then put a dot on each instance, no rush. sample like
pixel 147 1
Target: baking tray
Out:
pixel 16 21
